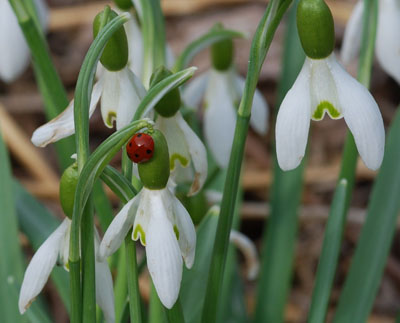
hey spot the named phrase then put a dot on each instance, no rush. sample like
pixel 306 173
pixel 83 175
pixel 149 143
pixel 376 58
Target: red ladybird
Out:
pixel 140 148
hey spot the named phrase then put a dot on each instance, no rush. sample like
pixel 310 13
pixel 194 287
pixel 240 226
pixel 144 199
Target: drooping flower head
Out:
pixel 159 221
pixel 185 147
pixel 55 250
pixel 118 90
pixel 324 87
pixel 221 88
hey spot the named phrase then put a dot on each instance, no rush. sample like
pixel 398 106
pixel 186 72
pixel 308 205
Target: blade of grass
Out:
pixel 329 256
pixel 278 246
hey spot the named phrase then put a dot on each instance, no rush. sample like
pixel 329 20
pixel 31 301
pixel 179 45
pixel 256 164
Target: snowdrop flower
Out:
pixel 323 86
pixel 160 221
pixel 56 250
pixel 14 53
pixel 222 89
pixel 56 247
pixel 387 46
pixel 118 90
pixel 185 148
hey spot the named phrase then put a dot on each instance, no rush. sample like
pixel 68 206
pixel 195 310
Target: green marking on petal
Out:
pixel 329 108
pixel 139 230
pixel 176 232
pixel 110 117
pixel 182 160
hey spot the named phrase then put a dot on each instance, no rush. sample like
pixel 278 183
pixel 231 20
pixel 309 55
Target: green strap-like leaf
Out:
pixel 329 256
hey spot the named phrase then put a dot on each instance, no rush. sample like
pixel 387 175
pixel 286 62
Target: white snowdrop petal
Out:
pixel 63 125
pixel 293 122
pixel 164 258
pixel 193 93
pixel 110 97
pixel 259 110
pixel 219 116
pixel 169 57
pixel 14 54
pixel 104 286
pixel 177 146
pixel 387 38
pixel 64 246
pixel 198 154
pixel 249 251
pixel 135 45
pixel 131 92
pixel 40 267
pixel 186 230
pixel 352 34
pixel 143 214
pixel 118 228
pixel 362 116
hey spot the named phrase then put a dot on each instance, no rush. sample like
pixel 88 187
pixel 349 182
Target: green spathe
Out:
pixel 68 182
pixel 115 53
pixel 222 52
pixel 316 28
pixel 154 173
pixel 170 103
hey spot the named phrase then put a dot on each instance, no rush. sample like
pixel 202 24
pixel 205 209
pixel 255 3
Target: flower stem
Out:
pixel 132 278
pixel 259 48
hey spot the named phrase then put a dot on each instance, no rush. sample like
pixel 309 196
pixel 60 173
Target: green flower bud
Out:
pixel 171 102
pixel 68 182
pixel 222 52
pixel 124 4
pixel 154 173
pixel 316 28
pixel 115 53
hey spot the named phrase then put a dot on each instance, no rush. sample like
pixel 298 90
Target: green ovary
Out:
pixel 139 229
pixel 184 162
pixel 328 107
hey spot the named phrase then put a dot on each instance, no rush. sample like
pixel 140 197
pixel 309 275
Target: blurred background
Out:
pixel 69 37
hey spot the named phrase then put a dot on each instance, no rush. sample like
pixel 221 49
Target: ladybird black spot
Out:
pixel 148 151
pixel 130 144
pixel 139 135
pixel 137 155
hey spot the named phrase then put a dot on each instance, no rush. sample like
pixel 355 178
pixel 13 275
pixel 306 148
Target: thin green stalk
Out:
pixel 280 232
pixel 132 277
pixel 259 48
pixel 88 266
pixel 120 288
pixel 81 118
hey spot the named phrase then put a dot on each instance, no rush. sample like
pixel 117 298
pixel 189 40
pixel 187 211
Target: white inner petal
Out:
pixel 323 92
pixel 176 140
